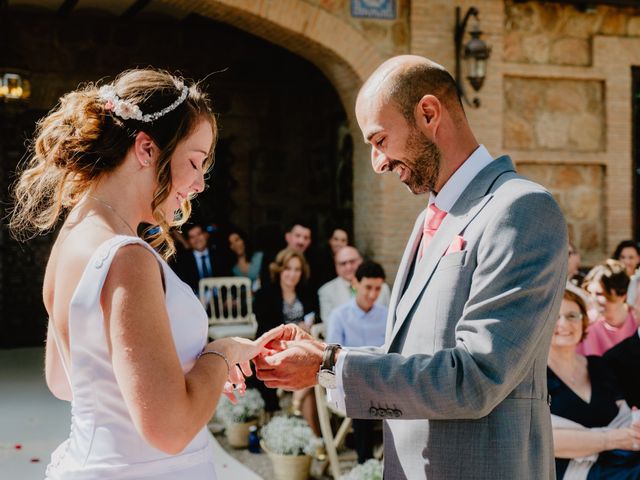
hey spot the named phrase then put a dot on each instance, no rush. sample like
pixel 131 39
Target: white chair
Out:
pixel 228 302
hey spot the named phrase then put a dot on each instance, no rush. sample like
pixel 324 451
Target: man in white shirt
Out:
pixel 340 290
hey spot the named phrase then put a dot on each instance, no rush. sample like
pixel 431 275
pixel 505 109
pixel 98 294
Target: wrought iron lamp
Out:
pixel 476 53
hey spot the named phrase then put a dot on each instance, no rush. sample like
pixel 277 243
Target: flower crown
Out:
pixel 127 110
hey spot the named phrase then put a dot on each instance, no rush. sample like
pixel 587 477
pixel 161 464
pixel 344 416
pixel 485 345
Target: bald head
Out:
pixel 404 80
pixel 347 261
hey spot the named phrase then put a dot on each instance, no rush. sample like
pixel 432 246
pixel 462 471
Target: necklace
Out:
pixel 114 211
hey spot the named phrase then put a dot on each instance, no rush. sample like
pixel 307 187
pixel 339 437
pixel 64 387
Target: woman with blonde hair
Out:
pixel 127 340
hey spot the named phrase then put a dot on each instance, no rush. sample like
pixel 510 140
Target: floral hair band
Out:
pixel 127 110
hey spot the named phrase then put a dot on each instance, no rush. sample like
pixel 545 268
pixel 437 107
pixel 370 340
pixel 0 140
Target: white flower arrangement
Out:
pixel 369 470
pixel 249 407
pixel 289 436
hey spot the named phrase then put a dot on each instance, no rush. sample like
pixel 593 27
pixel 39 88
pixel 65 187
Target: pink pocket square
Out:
pixel 457 245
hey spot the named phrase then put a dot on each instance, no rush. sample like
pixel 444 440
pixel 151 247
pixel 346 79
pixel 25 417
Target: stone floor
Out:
pixel 33 423
pixel 260 463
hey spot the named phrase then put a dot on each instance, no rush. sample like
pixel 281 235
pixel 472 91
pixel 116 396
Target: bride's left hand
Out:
pixel 239 351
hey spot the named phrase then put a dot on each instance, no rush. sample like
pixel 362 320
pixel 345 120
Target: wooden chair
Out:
pixel 332 443
pixel 228 302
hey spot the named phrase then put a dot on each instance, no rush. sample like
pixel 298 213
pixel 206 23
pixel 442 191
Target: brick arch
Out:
pixel 345 57
pixel 340 51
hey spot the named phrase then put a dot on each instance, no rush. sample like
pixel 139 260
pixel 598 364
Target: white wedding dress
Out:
pixel 104 443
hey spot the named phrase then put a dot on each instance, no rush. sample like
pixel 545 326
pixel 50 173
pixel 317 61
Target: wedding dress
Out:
pixel 104 443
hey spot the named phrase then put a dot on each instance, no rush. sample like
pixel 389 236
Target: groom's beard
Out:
pixel 425 168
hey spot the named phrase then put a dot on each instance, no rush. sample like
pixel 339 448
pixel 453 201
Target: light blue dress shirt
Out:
pixel 350 326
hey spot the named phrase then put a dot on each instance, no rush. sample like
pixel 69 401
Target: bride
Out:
pixel 127 340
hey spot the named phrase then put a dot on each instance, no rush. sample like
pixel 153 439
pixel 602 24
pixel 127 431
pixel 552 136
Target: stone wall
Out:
pixel 579 192
pixel 390 36
pixel 567 111
pixel 556 34
pixel 542 114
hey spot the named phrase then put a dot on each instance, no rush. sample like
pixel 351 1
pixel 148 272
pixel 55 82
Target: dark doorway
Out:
pixel 282 153
pixel 635 128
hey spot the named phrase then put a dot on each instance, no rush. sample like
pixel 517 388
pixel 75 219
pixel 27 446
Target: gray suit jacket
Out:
pixel 462 384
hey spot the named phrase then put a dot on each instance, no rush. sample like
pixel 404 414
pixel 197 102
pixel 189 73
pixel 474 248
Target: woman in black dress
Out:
pixel 286 300
pixel 582 390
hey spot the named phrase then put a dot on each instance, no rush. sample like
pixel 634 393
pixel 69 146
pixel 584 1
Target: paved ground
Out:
pixel 33 423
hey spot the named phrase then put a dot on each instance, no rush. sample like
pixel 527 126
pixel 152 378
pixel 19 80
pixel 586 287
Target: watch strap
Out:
pixel 328 356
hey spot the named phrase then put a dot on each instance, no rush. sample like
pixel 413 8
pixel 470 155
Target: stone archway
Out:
pixel 345 57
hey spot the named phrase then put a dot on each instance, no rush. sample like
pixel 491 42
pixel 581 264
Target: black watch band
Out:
pixel 328 355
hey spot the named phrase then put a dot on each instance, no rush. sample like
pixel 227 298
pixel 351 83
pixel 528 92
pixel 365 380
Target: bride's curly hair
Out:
pixel 79 141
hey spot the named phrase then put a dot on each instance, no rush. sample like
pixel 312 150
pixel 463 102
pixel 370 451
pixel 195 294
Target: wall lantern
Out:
pixel 14 86
pixel 476 53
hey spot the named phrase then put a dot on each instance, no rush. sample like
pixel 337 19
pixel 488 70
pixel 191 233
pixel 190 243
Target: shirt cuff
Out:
pixel 335 396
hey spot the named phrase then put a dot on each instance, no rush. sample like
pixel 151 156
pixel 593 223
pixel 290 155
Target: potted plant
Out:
pixel 289 442
pixel 369 470
pixel 239 417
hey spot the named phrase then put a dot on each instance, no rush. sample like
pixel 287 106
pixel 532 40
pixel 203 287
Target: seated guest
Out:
pixel 284 300
pixel 628 254
pixel 361 322
pixel 574 275
pixel 202 261
pixel 339 290
pixel 584 399
pixel 247 262
pixel 624 362
pixel 326 260
pixel 614 320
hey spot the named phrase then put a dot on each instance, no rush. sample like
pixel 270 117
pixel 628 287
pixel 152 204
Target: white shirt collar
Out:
pixel 203 253
pixel 461 178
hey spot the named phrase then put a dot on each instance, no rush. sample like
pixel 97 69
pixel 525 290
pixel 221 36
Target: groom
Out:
pixel 461 380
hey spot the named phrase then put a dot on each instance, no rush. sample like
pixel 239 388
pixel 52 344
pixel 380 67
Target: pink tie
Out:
pixel 432 222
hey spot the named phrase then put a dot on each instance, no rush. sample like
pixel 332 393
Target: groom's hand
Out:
pixel 283 334
pixel 293 361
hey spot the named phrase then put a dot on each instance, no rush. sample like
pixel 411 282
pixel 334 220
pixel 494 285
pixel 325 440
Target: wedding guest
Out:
pixel 574 275
pixel 358 323
pixel 126 342
pixel 584 400
pixel 339 291
pixel 339 238
pixel 247 261
pixel 628 253
pixel 202 260
pixel 326 259
pixel 285 300
pixel 613 320
pixel 624 362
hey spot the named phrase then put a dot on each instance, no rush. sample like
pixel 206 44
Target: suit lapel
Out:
pixel 470 203
pixel 401 276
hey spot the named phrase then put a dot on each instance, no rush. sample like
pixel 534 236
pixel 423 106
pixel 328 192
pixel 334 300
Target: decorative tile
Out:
pixel 379 9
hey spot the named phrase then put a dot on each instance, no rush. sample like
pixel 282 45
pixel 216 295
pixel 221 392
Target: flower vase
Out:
pixel 289 467
pixel 238 433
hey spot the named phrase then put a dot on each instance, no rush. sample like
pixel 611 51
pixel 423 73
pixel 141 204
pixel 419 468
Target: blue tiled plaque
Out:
pixel 382 9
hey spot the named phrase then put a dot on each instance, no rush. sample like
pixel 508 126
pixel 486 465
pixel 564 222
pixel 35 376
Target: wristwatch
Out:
pixel 327 375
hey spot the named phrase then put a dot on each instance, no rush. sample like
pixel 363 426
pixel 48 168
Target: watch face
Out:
pixel 327 379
